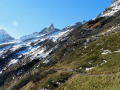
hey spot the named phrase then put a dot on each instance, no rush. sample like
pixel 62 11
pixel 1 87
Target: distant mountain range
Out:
pixel 12 49
pixel 46 32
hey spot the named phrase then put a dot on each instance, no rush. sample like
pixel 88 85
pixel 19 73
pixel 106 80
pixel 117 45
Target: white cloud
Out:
pixel 15 23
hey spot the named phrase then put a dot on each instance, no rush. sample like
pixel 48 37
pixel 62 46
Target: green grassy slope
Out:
pixel 83 69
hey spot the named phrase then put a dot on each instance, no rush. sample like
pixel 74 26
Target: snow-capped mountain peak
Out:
pixel 51 26
pixel 4 36
pixel 43 33
pixel 113 8
pixel 49 29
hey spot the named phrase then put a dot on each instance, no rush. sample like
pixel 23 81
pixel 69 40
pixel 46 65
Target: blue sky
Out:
pixel 23 17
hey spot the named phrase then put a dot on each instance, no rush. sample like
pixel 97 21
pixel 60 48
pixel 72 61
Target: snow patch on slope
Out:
pixel 117 50
pixel 87 69
pixel 113 8
pixel 12 62
pixel 61 34
pixel 106 52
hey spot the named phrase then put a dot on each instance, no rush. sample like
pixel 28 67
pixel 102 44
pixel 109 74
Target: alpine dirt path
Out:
pixel 85 74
